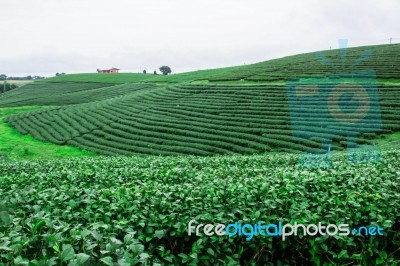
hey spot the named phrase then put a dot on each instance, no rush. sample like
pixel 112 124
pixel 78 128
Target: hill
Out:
pixel 129 210
pixel 64 93
pixel 117 78
pixel 192 119
pixel 383 59
pixel 201 113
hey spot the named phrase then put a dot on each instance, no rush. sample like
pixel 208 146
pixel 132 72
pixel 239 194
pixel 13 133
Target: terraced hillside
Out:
pixel 117 78
pixel 384 59
pixel 215 118
pixel 66 93
pixel 193 119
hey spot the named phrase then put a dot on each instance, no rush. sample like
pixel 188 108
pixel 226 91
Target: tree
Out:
pixel 3 77
pixel 165 70
pixel 7 87
pixel 155 72
pixel 144 71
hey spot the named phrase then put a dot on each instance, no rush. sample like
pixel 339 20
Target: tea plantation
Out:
pixel 155 117
pixel 194 120
pixel 217 146
pixel 135 211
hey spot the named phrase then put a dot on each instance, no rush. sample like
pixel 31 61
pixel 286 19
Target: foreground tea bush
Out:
pixel 133 211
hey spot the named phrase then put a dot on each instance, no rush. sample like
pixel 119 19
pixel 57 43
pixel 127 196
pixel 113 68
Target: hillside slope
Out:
pixel 195 119
pixel 217 118
pixel 384 59
pixel 61 93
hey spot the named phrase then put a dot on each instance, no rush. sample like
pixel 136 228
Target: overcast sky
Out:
pixel 42 37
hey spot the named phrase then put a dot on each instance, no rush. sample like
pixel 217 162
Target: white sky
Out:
pixel 43 37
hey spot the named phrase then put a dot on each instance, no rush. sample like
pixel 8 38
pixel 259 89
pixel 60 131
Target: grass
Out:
pixel 390 82
pixel 387 142
pixel 19 83
pixel 14 145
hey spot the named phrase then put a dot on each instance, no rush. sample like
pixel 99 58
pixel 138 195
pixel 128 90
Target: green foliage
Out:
pixel 384 60
pixel 4 87
pixel 109 117
pixel 135 211
pixel 59 93
pixel 189 119
pixel 165 70
pixel 15 145
pixel 116 78
pixel 305 65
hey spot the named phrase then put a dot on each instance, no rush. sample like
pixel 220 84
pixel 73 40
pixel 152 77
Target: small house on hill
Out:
pixel 108 71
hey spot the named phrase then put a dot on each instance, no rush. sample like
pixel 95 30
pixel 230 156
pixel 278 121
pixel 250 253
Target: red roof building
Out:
pixel 108 71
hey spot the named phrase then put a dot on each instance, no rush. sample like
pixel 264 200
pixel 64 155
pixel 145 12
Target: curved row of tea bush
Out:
pixel 57 93
pixel 203 120
pixel 383 59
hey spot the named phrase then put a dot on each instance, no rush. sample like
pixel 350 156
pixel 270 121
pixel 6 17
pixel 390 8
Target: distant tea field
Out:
pixel 190 119
pixel 138 114
pixel 109 169
pixel 19 82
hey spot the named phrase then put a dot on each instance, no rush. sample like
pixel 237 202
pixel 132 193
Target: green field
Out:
pixel 59 94
pixel 204 112
pixel 383 59
pixel 218 146
pixel 118 78
pixel 145 119
pixel 135 211
pixel 19 83
pixel 14 145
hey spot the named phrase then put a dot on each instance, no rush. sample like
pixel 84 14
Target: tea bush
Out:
pixel 145 119
pixel 135 210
